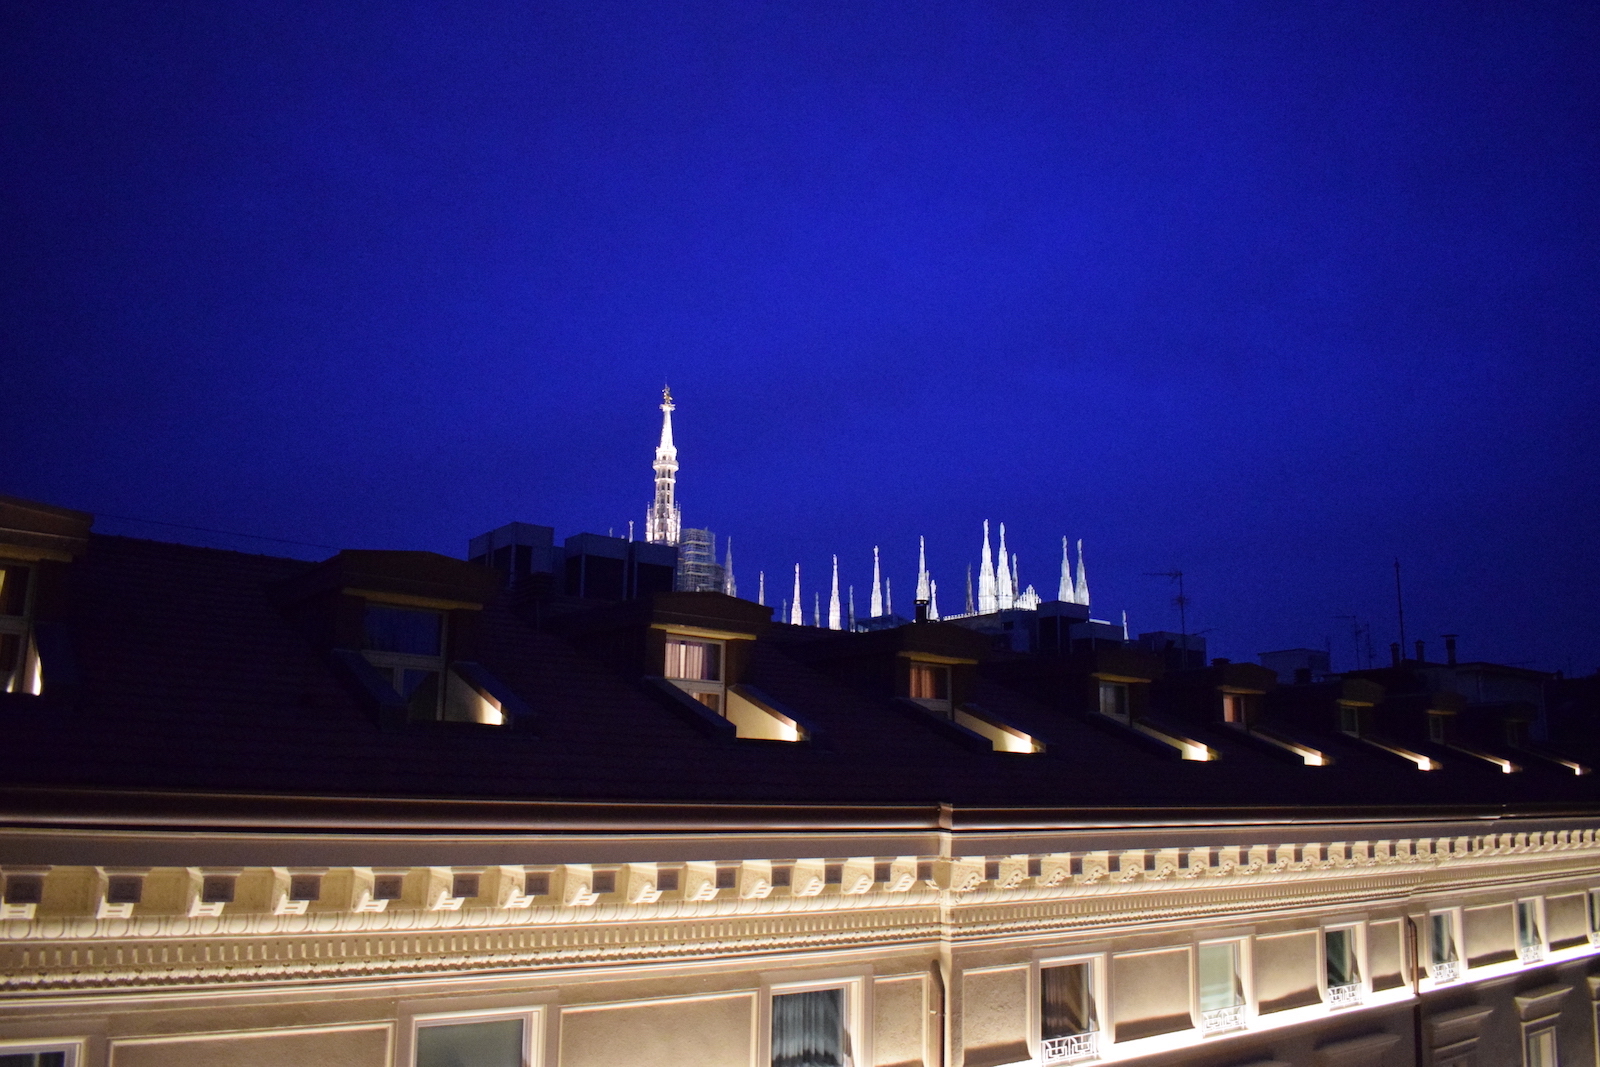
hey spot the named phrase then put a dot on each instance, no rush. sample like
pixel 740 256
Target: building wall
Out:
pixel 942 970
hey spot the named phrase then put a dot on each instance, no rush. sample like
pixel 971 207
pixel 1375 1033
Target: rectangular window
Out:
pixel 19 665
pixel 1530 939
pixel 695 661
pixel 1350 720
pixel 481 1043
pixel 1342 966
pixel 930 682
pixel 696 667
pixel 1436 729
pixel 55 1056
pixel 1540 1048
pixel 1232 708
pixel 810 1029
pixel 1444 960
pixel 1068 1027
pixel 1594 915
pixel 1114 700
pixel 1221 987
pixel 407 646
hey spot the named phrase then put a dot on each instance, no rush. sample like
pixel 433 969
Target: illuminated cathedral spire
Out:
pixel 796 615
pixel 729 586
pixel 1064 590
pixel 923 592
pixel 1081 591
pixel 877 585
pixel 663 521
pixel 761 588
pixel 833 599
pixel 1005 590
pixel 986 597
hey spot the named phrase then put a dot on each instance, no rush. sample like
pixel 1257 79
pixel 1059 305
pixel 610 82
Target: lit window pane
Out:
pixel 929 682
pixel 1219 977
pixel 487 1044
pixel 1342 966
pixel 808 1029
pixel 694 661
pixel 415 633
pixel 1442 943
pixel 1542 1049
pixel 1066 1001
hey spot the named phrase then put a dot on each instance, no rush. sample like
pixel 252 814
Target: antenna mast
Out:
pixel 1400 607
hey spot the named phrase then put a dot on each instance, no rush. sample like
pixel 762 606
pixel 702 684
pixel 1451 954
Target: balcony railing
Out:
pixel 1216 1020
pixel 1531 953
pixel 1448 971
pixel 1344 996
pixel 1070 1048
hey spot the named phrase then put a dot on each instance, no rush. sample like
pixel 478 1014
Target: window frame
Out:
pixel 945 705
pixel 1242 973
pixel 1363 984
pixel 856 1011
pixel 1099 975
pixel 696 687
pixel 74 1047
pixel 391 664
pixel 26 677
pixel 1535 954
pixel 1592 904
pixel 533 1037
pixel 1124 712
pixel 1436 969
pixel 1533 1030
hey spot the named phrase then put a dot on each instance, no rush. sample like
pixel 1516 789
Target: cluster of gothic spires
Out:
pixel 999 582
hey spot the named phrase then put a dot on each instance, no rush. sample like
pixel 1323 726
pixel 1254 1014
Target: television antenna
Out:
pixel 1181 601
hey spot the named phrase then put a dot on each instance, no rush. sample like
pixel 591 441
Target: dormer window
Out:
pixel 930 686
pixel 407 645
pixel 19 665
pixel 695 665
pixel 1114 700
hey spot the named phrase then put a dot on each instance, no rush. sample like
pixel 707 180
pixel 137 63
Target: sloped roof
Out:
pixel 193 678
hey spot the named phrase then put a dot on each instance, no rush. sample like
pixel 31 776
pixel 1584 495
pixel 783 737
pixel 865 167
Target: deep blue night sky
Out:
pixel 1272 293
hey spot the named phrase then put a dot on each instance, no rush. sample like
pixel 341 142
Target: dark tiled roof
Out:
pixel 193 678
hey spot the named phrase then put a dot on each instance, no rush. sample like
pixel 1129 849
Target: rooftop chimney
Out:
pixel 1450 649
pixel 1419 651
pixel 922 611
pixel 1394 653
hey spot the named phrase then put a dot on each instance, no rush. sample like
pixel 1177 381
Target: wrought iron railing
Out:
pixel 1344 996
pixel 1216 1020
pixel 1070 1047
pixel 1448 971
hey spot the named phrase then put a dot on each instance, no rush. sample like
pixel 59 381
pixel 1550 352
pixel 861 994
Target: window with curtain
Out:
pixel 695 661
pixel 809 1029
pixel 930 682
pixel 1066 1000
pixel 1528 935
pixel 1442 938
pixel 1344 968
pixel 489 1043
pixel 1220 985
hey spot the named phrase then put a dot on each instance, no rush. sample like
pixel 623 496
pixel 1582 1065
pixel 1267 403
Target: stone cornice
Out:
pixel 969 899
